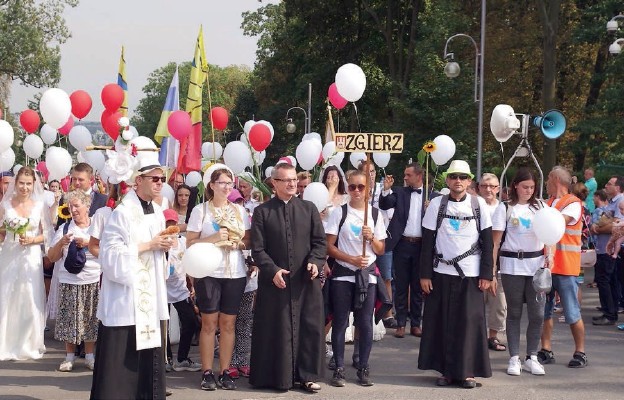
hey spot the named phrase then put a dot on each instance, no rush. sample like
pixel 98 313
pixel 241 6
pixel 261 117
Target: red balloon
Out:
pixel 259 137
pixel 29 119
pixel 42 167
pixel 65 184
pixel 179 124
pixel 335 98
pixel 81 103
pixel 219 117
pixel 110 123
pixel 64 130
pixel 112 96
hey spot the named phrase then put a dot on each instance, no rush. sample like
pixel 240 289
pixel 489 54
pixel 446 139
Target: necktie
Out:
pixel 412 190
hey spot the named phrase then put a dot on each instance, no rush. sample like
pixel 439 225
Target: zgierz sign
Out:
pixel 369 142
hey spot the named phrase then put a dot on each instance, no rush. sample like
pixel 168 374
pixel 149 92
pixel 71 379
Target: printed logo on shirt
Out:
pixel 356 229
pixel 215 226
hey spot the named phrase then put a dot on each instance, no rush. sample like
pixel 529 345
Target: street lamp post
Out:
pixel 290 125
pixel 612 26
pixel 452 70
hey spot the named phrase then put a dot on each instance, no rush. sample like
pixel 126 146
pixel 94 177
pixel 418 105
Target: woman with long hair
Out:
pixel 180 205
pixel 521 254
pixel 219 294
pixel 334 180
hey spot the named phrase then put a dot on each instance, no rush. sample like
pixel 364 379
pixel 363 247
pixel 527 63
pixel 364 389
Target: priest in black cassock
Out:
pixel 289 247
pixel 133 298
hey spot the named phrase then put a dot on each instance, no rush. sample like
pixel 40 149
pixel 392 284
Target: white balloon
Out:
pixel 167 192
pixel 317 193
pixel 16 168
pixel 445 150
pixel 58 161
pixel 7 159
pixel 308 153
pixel 80 137
pixel 330 155
pixel 55 107
pixel 201 259
pixel 193 178
pixel 48 134
pixel 350 82
pixel 268 124
pixel 208 148
pixel 548 225
pixel 237 156
pixel 355 159
pixel 381 159
pixel 95 158
pixel 267 172
pixel 33 146
pixel 248 125
pixel 243 138
pixel 312 136
pixel 7 136
pixel 134 131
pixel 259 156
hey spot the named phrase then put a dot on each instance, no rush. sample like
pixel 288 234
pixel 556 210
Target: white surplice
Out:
pixel 133 285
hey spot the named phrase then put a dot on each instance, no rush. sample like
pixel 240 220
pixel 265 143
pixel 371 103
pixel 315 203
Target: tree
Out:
pixel 31 33
pixel 225 83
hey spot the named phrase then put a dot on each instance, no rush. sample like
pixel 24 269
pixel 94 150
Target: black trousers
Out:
pixel 188 327
pixel 406 273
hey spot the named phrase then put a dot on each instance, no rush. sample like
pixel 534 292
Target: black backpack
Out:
pixel 76 257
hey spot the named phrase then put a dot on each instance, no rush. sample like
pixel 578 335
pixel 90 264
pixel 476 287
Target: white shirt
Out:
pixel 202 221
pixel 98 221
pixel 573 211
pixel 457 237
pixel 413 227
pixel 91 271
pixel 519 236
pixel 350 238
pixel 176 277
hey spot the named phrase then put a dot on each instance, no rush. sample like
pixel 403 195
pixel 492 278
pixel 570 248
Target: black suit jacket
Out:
pixel 399 199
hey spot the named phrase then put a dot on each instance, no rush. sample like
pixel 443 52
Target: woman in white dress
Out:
pixel 22 291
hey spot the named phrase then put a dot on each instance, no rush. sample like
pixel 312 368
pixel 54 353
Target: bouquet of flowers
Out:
pixel 17 225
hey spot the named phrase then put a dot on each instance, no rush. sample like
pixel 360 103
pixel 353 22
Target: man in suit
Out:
pixel 404 240
pixel 81 178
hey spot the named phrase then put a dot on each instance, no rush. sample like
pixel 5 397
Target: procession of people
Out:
pixel 119 268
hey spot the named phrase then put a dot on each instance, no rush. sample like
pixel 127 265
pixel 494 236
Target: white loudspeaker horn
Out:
pixel 503 123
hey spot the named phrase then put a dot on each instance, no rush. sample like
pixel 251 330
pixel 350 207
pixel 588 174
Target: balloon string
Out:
pixel 357 117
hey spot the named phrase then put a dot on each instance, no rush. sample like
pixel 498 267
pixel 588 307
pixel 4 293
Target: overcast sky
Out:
pixel 153 32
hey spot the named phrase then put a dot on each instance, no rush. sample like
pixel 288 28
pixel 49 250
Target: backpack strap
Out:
pixel 65 227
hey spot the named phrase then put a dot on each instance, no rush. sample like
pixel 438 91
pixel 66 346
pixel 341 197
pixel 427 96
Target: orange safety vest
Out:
pixel 568 250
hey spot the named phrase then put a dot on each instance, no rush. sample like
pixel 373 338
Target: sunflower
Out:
pixel 429 147
pixel 63 211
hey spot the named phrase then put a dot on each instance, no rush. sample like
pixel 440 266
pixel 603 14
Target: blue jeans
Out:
pixel 384 263
pixel 567 287
pixel 607 282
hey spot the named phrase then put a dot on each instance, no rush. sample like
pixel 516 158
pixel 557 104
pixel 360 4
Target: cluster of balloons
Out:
pixel 112 96
pixel 180 125
pixel 349 85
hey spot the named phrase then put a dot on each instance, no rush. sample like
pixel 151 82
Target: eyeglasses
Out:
pixel 353 187
pixel 292 180
pixel 226 184
pixel 462 177
pixel 488 186
pixel 155 179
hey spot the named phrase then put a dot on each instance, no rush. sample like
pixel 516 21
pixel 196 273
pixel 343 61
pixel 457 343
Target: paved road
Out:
pixel 393 368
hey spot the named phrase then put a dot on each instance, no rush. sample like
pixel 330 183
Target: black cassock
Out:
pixel 288 341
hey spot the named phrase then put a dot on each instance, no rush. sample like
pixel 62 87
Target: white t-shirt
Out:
pixel 91 271
pixel 456 237
pixel 571 210
pixel 49 198
pixel 202 221
pixel 519 236
pixel 98 220
pixel 350 237
pixel 176 277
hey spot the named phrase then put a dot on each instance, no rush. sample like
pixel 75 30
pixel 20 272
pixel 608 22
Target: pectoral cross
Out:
pixel 147 331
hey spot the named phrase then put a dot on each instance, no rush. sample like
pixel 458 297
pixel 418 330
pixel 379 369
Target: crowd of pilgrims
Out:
pixel 51 273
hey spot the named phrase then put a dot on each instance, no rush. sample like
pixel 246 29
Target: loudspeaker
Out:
pixel 503 123
pixel 552 123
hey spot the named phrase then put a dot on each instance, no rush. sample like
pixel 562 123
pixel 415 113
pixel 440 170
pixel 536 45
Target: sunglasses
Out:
pixel 155 179
pixel 353 187
pixel 462 177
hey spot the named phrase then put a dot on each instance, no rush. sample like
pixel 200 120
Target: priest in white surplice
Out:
pixel 133 297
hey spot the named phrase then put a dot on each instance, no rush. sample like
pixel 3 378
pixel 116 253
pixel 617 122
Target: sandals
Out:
pixel 546 356
pixel 579 360
pixel 310 387
pixel 469 383
pixel 496 345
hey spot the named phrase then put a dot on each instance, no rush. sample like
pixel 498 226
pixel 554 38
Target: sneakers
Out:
pixel 533 366
pixel 546 357
pixel 338 379
pixel 515 367
pixel 208 381
pixel 90 363
pixel 66 366
pixel 363 377
pixel 186 365
pixel 226 382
